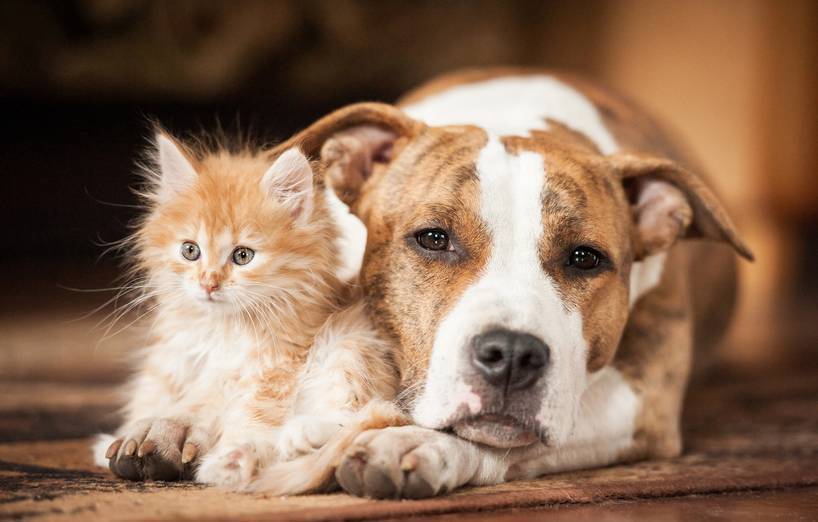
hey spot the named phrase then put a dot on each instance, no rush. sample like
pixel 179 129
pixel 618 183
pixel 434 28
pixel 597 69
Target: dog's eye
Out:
pixel 190 251
pixel 584 258
pixel 243 255
pixel 433 239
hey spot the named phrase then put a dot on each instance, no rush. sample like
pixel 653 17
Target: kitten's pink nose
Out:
pixel 209 284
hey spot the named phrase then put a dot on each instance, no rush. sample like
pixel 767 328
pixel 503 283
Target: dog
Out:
pixel 528 250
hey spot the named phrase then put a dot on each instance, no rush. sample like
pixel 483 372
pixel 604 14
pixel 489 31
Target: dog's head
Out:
pixel 502 266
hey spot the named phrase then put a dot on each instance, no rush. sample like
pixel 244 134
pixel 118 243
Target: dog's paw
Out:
pixel 401 462
pixel 231 467
pixel 304 434
pixel 155 449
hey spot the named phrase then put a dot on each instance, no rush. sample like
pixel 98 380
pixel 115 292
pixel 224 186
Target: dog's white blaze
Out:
pixel 515 105
pixel 512 292
pixel 645 276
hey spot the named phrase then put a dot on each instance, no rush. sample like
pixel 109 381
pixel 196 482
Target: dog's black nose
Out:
pixel 509 358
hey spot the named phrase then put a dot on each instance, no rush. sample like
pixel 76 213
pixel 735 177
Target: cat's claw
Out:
pixel 113 448
pixel 189 452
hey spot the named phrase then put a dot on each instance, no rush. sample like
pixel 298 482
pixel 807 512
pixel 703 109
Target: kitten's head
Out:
pixel 233 232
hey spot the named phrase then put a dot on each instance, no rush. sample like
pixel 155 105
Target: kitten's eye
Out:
pixel 434 239
pixel 584 258
pixel 190 251
pixel 243 255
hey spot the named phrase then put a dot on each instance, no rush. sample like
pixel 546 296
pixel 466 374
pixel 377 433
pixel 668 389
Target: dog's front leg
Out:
pixel 412 462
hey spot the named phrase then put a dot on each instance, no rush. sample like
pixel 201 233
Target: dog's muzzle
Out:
pixel 505 367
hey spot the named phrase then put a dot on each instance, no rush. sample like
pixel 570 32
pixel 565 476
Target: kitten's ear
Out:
pixel 176 173
pixel 289 180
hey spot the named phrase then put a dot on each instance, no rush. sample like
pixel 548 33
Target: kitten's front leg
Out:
pixel 229 465
pixel 164 448
pixel 244 447
pixel 306 433
pixel 349 365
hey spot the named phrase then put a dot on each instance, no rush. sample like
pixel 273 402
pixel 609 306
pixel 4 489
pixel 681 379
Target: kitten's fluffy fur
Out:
pixel 246 365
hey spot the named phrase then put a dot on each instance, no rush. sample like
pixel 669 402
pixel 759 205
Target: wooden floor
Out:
pixel 751 449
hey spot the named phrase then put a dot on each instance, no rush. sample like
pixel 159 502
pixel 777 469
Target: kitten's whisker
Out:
pixel 95 290
pixel 120 312
pixel 259 353
pixel 266 306
pixel 136 301
pixel 261 307
pixel 123 291
pixel 109 336
pixel 244 313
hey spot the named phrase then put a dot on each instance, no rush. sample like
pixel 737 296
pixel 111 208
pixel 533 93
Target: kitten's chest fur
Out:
pixel 212 365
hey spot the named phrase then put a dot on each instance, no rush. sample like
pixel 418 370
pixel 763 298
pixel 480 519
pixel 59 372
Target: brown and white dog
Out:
pixel 522 251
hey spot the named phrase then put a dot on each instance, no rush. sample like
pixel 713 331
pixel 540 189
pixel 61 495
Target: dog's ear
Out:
pixel 669 202
pixel 351 141
pixel 350 156
pixel 354 140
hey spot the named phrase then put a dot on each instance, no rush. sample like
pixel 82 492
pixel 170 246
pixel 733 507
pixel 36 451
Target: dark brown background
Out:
pixel 78 79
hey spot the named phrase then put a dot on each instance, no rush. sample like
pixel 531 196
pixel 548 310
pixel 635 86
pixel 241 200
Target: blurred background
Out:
pixel 736 80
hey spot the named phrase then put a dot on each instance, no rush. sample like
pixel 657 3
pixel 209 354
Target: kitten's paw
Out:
pixel 304 434
pixel 230 468
pixel 156 449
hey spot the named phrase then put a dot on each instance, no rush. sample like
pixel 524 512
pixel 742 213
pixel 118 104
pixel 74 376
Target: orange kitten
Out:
pixel 253 358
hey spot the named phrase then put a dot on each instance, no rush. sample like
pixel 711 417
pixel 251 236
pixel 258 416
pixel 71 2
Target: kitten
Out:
pixel 257 351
